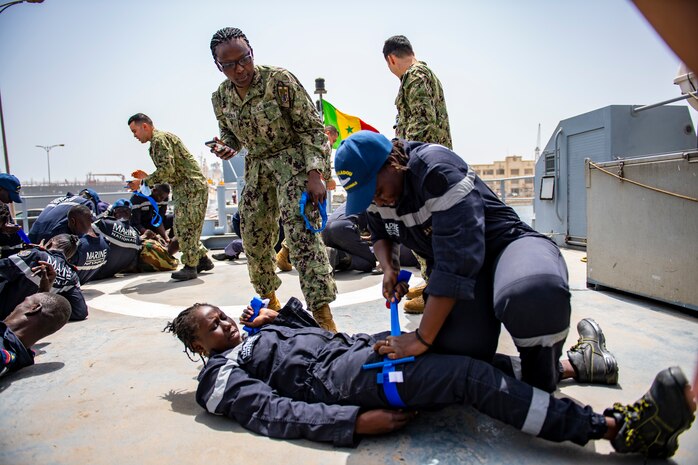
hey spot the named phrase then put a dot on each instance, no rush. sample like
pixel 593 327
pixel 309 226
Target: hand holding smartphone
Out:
pixel 220 149
pixel 214 145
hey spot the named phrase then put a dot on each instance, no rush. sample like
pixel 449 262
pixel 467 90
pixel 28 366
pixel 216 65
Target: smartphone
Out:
pixel 214 146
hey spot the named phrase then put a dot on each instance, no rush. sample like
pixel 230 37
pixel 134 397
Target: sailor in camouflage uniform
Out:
pixel 421 106
pixel 177 167
pixel 421 116
pixel 266 110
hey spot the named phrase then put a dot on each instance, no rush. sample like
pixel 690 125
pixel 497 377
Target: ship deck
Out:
pixel 114 389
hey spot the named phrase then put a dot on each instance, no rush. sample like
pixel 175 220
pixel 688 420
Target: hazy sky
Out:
pixel 73 71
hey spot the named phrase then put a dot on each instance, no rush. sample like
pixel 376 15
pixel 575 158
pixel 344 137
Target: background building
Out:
pixel 512 166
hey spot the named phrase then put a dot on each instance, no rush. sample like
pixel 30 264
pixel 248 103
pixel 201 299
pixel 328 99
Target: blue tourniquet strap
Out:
pixel 390 387
pixel 388 365
pixel 256 303
pixel 22 235
pixel 322 206
pixel 156 220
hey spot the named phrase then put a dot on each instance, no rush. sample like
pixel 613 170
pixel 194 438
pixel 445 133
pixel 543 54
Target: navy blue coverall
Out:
pixel 17 282
pixel 480 253
pixel 293 379
pixel 142 213
pixel 90 257
pixel 124 246
pixel 9 243
pixel 343 232
pixel 53 220
pixel 13 354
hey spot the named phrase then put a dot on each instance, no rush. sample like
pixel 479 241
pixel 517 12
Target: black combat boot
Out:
pixel 592 362
pixel 185 274
pixel 205 264
pixel 651 426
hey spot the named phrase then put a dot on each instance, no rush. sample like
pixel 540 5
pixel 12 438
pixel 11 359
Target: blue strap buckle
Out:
pixel 389 377
pixel 256 303
pixel 322 206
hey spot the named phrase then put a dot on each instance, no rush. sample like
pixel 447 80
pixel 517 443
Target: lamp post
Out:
pixel 48 162
pixel 4 7
pixel 320 90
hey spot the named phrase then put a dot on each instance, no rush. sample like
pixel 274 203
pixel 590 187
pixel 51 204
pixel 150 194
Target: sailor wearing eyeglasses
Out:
pixel 266 110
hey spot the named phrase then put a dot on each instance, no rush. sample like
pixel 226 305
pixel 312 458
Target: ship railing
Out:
pixel 507 195
pixel 27 220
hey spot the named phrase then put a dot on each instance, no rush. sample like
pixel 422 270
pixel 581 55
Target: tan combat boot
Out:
pixel 416 291
pixel 283 260
pixel 323 316
pixel 274 303
pixel 415 305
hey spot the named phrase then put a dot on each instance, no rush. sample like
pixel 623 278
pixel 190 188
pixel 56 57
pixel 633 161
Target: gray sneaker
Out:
pixel 651 426
pixel 592 362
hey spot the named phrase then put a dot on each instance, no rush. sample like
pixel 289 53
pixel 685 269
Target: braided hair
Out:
pixel 66 243
pixel 184 327
pixel 398 158
pixel 225 35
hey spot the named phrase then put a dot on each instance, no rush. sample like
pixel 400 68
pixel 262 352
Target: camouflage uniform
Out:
pixel 176 166
pixel 280 127
pixel 422 114
pixel 421 107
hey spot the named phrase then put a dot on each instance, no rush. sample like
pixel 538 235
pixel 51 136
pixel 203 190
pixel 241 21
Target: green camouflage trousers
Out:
pixel 422 266
pixel 190 209
pixel 272 188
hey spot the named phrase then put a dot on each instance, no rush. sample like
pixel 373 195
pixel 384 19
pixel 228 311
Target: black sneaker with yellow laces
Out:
pixel 651 426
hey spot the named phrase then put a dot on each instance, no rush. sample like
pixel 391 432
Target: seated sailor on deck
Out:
pixel 53 220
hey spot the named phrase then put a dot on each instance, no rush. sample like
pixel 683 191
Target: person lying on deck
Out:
pixel 293 379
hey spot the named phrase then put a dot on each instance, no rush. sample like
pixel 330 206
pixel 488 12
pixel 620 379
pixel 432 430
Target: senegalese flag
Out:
pixel 345 124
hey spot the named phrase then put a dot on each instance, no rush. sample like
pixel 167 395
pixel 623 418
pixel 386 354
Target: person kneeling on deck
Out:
pixel 308 383
pixel 486 268
pixel 38 316
pixel 129 251
pixel 143 215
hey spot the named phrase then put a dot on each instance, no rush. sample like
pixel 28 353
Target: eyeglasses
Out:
pixel 244 61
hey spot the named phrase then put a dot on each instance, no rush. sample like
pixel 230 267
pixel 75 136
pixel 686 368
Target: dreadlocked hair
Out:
pixel 184 327
pixel 225 35
pixel 398 158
